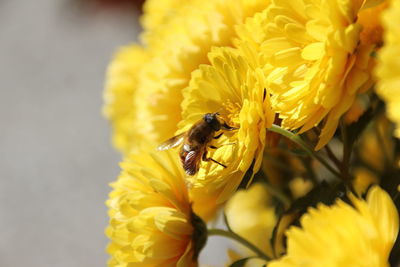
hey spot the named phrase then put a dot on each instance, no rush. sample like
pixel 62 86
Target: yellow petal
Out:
pixel 313 51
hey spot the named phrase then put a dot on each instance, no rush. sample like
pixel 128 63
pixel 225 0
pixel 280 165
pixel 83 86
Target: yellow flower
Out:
pixel 357 109
pixel 119 96
pixel 375 154
pixel 177 37
pixel 388 69
pixel 178 44
pixel 156 13
pixel 317 65
pixel 344 235
pixel 363 179
pixel 204 204
pixel 370 19
pixel 233 87
pixel 251 215
pixel 151 221
pixel 376 148
pixel 299 187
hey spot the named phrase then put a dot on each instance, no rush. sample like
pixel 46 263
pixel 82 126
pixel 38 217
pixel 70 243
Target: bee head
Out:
pixel 212 120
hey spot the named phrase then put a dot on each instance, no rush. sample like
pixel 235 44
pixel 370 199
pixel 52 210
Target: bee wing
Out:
pixel 191 163
pixel 172 142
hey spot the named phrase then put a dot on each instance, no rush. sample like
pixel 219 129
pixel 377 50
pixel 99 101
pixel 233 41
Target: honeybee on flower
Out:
pixel 230 83
pixel 196 140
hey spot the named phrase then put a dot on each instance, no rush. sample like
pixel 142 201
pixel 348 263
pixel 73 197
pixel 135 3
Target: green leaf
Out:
pixel 240 263
pixel 326 193
pixel 299 152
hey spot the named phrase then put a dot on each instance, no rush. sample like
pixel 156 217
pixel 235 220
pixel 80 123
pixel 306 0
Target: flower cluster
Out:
pixel 267 113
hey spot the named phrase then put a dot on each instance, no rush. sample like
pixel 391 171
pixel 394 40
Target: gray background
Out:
pixel 55 155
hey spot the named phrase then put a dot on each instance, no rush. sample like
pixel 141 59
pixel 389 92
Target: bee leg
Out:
pixel 228 128
pixel 218 136
pixel 264 94
pixel 213 160
pixel 227 144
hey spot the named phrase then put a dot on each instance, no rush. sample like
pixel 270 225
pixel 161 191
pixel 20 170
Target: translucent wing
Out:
pixel 172 142
pixel 191 162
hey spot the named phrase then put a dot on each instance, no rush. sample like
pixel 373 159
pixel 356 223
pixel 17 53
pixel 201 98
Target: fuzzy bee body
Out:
pixel 195 142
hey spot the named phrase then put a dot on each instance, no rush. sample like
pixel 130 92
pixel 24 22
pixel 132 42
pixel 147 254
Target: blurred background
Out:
pixel 56 160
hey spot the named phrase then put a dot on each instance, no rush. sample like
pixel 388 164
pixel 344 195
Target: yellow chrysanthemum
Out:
pixel 343 235
pixel 156 12
pixel 388 69
pixel 151 221
pixel 251 215
pixel 370 19
pixel 178 46
pixel 233 87
pixel 376 147
pixel 359 106
pixel 119 96
pixel 317 65
pixel 204 204
pixel 374 155
pixel 299 187
pixel 363 179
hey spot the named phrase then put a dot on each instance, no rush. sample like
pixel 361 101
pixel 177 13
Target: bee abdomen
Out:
pixel 190 162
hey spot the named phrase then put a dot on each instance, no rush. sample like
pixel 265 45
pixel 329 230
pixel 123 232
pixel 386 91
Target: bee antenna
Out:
pixel 218 111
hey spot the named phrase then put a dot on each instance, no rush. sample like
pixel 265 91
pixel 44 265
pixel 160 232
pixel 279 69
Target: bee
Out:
pixel 196 141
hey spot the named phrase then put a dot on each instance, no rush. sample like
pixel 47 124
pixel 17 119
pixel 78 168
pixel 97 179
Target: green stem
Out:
pixel 239 239
pixel 310 171
pixel 347 149
pixel 333 158
pixel 278 194
pixel 297 139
